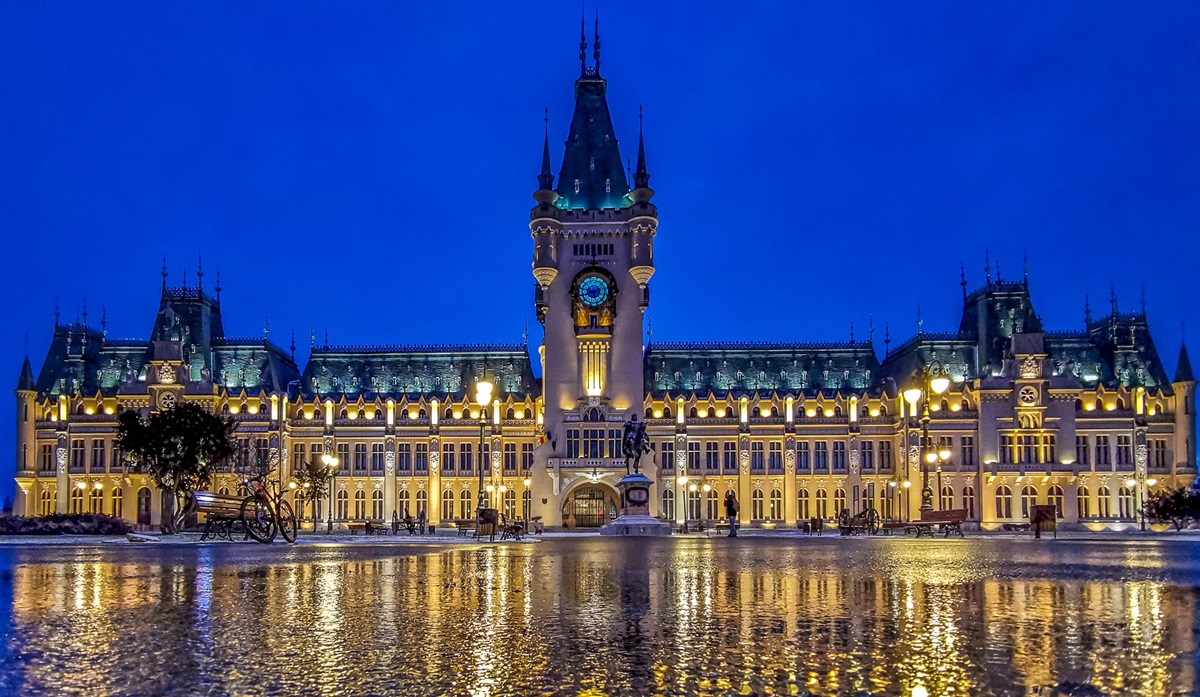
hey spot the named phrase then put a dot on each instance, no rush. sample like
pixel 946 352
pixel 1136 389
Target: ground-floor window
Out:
pixel 76 500
pixel 526 503
pixel 118 502
pixel 756 504
pixel 342 510
pixel 422 503
pixel 1125 505
pixel 668 504
pixel 402 504
pixel 1029 496
pixel 143 506
pixel 466 506
pixel 47 502
pixel 885 501
pixel 1104 502
pixel 510 503
pixel 1083 503
pixel 1003 502
pixel 839 501
pixel 96 501
pixel 969 501
pixel 712 505
pixel 360 504
pixel 947 498
pixel 1056 498
pixel 802 504
pixel 693 503
pixel 821 511
pixel 447 504
pixel 776 511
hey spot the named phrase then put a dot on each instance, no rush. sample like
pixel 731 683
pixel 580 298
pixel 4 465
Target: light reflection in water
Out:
pixel 603 617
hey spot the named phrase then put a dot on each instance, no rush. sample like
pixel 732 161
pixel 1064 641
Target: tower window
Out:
pixel 608 186
pixel 576 186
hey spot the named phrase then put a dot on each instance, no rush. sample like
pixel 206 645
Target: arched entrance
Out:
pixel 589 506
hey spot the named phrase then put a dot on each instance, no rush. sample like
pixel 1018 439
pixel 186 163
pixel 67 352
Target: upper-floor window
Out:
pixel 1124 450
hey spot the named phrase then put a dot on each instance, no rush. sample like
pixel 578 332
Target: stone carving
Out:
pixel 1030 368
pixel 166 374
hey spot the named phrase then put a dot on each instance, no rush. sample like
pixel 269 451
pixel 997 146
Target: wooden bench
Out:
pixel 888 526
pixel 950 521
pixel 222 513
pixel 356 527
pixel 721 526
pixel 1015 527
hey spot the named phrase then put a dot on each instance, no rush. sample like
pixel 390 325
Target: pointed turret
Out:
pixel 25 383
pixel 545 194
pixel 1183 369
pixel 591 177
pixel 641 178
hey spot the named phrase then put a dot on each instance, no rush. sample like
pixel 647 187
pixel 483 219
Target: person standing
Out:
pixel 731 512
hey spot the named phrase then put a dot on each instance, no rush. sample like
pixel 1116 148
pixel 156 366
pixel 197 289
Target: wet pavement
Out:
pixel 603 616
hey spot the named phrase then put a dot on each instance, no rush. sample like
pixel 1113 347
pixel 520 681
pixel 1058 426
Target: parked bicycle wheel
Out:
pixel 287 521
pixel 259 519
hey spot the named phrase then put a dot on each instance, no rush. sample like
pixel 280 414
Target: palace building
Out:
pixel 1085 420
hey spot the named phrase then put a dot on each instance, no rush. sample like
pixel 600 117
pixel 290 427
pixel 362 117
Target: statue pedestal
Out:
pixel 635 519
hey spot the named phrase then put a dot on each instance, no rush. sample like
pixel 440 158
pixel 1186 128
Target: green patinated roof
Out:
pixel 592 158
pixel 782 368
pixel 413 371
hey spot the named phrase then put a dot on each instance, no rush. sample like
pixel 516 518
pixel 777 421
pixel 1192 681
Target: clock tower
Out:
pixel 593 258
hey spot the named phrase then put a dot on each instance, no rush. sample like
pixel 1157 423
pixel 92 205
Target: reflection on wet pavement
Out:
pixel 597 616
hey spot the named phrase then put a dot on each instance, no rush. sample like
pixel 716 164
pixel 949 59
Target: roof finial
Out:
pixel 292 346
pixel 920 322
pixel 312 337
pixel 546 178
pixel 871 330
pixel 525 331
pixel 887 338
pixel 185 277
pixel 199 274
pixel 85 312
pixel 164 273
pixel 987 265
pixel 56 312
pixel 1112 298
pixel 326 337
pixel 1143 300
pixel 999 279
pixel 1025 264
pixel 1087 311
pixel 649 329
pixel 266 324
pixel 218 288
pixel 583 39
pixel 596 44
pixel 104 320
pixel 27 345
pixel 851 333
pixel 962 274
pixel 641 178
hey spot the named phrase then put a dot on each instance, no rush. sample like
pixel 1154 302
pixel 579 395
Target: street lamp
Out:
pixel 1139 487
pixel 932 382
pixel 483 397
pixel 331 463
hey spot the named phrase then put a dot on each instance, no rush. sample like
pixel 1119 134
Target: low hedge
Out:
pixel 60 524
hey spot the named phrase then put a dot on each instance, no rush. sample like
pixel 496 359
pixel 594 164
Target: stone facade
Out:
pixel 1086 420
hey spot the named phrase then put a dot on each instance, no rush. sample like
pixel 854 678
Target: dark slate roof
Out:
pixel 1183 369
pixel 591 155
pixel 742 368
pixel 71 362
pixel 447 371
pixel 953 352
pixel 1125 346
pixel 253 365
pixel 25 381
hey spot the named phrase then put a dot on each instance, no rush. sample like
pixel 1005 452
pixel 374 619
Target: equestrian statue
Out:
pixel 634 444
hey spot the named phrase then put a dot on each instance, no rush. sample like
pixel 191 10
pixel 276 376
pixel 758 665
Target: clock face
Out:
pixel 1028 395
pixel 593 291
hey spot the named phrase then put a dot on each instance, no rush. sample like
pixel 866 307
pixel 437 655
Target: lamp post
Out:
pixel 935 383
pixel 483 397
pixel 331 462
pixel 525 498
pixel 1139 487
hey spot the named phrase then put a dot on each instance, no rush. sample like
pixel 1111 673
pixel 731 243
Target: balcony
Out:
pixel 588 462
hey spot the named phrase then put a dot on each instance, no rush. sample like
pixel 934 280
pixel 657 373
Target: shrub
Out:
pixel 1180 507
pixel 61 524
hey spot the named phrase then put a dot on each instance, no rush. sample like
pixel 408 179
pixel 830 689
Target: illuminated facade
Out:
pixel 1086 420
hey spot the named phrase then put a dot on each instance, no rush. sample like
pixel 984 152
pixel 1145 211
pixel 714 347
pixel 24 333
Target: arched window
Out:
pixel 649 413
pixel 1125 507
pixel 947 498
pixel 775 512
pixel 666 412
pixel 802 504
pixel 360 504
pixel 1084 503
pixel 945 405
pixel 593 415
pixel 969 501
pixel 529 413
pixel 886 493
pixel 883 410
pixel 712 505
pixel 965 406
pixel 668 504
pixel 447 504
pixel 402 504
pixel 1003 502
pixel 466 507
pixel 774 411
pixel 343 414
pixel 692 412
pixel 225 408
pixel 342 510
pixel 839 501
pixel 526 503
pixel 47 502
pixel 755 412
pixel 422 414
pixel 510 504
pixel 756 504
pixel 510 414
pixel 821 499
pixel 118 503
pixel 96 501
pixel 1079 405
pixel 1099 403
pixel 1054 497
pixel 1028 500
pixel 837 411
pixel 143 506
pixel 865 411
pixel 377 504
pixel 449 413
pixel 76 500
pixel 1104 502
pixel 693 504
pixel 1120 403
pixel 422 503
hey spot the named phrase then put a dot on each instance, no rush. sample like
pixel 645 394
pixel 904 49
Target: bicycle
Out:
pixel 265 514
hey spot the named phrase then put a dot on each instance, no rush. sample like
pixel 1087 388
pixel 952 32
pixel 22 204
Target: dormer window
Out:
pixel 608 186
pixel 576 186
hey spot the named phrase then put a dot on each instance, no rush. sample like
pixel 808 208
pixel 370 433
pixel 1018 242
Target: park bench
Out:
pixel 864 523
pixel 721 526
pixel 356 527
pixel 950 521
pixel 376 527
pixel 465 526
pixel 694 525
pixel 511 530
pixel 888 526
pixel 222 511
pixel 1015 527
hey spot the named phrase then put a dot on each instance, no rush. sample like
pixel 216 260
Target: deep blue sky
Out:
pixel 367 167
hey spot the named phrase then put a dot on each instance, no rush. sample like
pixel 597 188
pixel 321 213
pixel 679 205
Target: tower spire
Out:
pixel 292 346
pixel 218 288
pixel 546 178
pixel 1025 264
pixel 104 320
pixel 583 40
pixel 871 330
pixel 1143 300
pixel 987 265
pixel 641 178
pixel 596 43
pixel 164 274
pixel 199 275
pixel 56 314
pixel 962 274
pixel 1087 312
